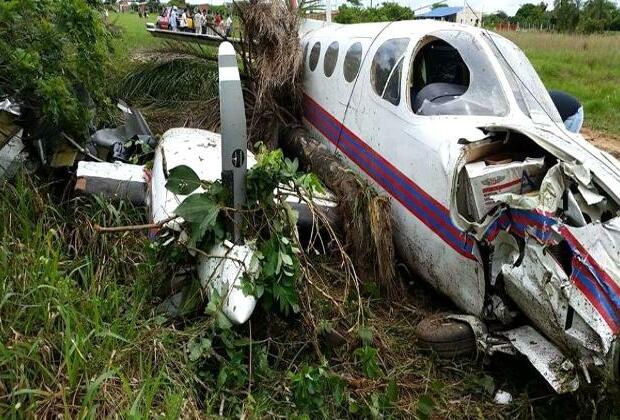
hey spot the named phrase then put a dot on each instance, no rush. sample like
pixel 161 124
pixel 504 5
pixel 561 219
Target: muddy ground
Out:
pixel 604 141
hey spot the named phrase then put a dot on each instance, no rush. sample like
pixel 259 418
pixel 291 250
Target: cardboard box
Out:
pixel 488 180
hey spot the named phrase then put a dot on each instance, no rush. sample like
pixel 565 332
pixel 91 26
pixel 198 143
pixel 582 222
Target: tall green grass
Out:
pixel 134 36
pixel 587 66
pixel 79 335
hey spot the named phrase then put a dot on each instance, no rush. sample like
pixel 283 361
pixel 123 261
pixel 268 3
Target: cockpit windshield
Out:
pixel 528 89
pixel 451 75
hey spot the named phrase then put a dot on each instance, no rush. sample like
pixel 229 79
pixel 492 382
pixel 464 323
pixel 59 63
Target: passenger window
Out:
pixel 314 55
pixel 330 59
pixel 386 68
pixel 352 62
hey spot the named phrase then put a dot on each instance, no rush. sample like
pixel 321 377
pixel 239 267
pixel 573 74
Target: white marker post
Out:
pixel 234 135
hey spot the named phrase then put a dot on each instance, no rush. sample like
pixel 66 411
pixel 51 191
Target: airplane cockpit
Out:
pixel 451 75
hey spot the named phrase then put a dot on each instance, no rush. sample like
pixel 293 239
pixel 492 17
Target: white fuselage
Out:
pixel 366 115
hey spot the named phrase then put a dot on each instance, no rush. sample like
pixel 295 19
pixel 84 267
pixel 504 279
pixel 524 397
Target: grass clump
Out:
pixel 79 333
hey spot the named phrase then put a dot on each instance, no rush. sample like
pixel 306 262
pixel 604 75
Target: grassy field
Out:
pixel 134 36
pixel 587 66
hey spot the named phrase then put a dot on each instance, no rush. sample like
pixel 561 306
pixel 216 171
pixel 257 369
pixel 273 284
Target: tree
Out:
pixel 393 12
pixel 438 5
pixel 493 19
pixel 55 62
pixel 566 14
pixel 532 14
pixel 386 12
pixel 598 16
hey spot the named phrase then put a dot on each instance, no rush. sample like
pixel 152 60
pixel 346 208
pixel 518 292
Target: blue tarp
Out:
pixel 440 12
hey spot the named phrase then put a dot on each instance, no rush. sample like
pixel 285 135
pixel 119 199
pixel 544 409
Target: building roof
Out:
pixel 440 12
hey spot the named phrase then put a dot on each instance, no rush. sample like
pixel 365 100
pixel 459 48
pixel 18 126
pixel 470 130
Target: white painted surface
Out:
pixel 198 149
pixel 111 170
pixel 222 274
pixel 545 357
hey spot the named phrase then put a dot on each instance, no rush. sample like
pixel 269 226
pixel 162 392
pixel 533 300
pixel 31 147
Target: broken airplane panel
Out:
pixel 495 203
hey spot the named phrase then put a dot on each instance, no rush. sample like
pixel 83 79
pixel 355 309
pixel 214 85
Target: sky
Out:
pixel 486 6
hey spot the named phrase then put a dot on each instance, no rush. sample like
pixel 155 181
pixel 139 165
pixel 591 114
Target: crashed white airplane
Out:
pixel 495 203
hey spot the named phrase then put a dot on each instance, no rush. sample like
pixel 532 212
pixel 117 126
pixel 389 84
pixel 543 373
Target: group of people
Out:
pixel 204 22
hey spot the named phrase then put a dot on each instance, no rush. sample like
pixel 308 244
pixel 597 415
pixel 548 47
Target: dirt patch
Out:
pixel 604 141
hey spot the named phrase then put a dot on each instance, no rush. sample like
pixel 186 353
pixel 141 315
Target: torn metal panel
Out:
pixel 9 106
pixel 558 371
pixel 113 180
pixel 325 202
pixel 539 286
pixel 222 273
pixel 596 269
pixel 573 211
pixel 116 139
pixel 12 155
pixel 505 252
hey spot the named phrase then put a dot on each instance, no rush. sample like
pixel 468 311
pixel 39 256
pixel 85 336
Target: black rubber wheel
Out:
pixel 445 337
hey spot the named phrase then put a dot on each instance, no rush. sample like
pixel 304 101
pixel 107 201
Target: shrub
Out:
pixel 55 61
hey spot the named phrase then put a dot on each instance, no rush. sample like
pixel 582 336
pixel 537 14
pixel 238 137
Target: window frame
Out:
pixel 399 63
pixel 502 95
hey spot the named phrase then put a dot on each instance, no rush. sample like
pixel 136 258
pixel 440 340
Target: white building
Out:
pixel 464 15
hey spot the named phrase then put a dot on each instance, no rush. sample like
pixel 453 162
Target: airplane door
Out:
pixel 400 154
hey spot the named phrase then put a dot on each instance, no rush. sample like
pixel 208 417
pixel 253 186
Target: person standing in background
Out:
pixel 569 108
pixel 172 23
pixel 197 22
pixel 229 26
pixel 205 28
pixel 209 24
pixel 218 22
pixel 183 22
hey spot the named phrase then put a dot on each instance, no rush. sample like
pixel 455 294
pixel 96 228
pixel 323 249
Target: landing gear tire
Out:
pixel 445 337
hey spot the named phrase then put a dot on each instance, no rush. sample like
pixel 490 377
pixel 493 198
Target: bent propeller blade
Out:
pixel 234 136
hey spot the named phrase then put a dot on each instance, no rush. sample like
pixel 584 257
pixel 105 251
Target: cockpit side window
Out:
pixel 386 69
pixel 438 62
pixel 451 75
